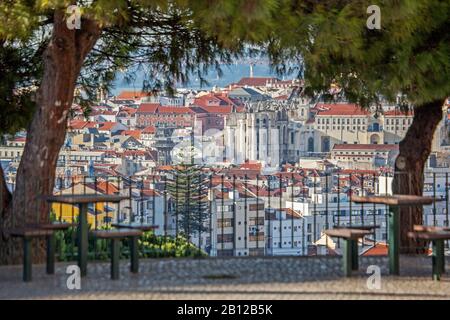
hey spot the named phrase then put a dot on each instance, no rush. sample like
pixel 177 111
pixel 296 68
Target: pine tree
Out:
pixel 187 186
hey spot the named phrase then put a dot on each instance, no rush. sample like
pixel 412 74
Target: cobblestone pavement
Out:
pixel 232 278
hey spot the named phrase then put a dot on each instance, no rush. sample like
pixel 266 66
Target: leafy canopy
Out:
pixel 409 55
pixel 170 40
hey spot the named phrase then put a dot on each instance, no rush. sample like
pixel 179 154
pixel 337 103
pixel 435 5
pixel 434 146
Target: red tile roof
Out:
pixel 130 95
pixel 178 110
pixel 79 124
pixel 128 110
pixel 149 129
pixel 256 81
pixel 148 108
pixel 106 126
pixel 134 133
pixel 398 113
pixel 107 187
pixel 251 166
pixel 222 109
pixel 149 192
pixel 340 110
pixel 215 100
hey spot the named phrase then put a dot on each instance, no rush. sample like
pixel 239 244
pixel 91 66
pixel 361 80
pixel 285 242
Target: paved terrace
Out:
pixel 232 278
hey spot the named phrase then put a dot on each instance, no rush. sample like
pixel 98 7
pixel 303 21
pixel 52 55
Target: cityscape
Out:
pixel 224 151
pixel 282 166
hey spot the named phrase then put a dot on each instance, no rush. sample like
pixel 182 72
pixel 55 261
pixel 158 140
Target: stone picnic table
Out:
pixel 83 202
pixel 394 202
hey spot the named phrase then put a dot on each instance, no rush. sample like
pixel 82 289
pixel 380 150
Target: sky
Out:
pixel 232 73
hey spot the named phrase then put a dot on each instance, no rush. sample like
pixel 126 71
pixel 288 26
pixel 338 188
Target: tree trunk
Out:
pixel 5 195
pixel 63 59
pixel 409 167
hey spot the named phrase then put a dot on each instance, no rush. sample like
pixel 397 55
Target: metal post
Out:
pixel 338 207
pixel 134 266
pixel 374 214
pixel 438 259
pixel 51 243
pixel 234 216
pixel 115 251
pixel 257 211
pixel 446 202
pixel 314 238
pixel 245 214
pixel 350 200
pixel 434 197
pixel 292 208
pixel 362 204
pixel 394 240
pixel 347 256
pixel 326 208
pixel 280 206
pixel 27 260
pixel 222 216
pixel 83 239
pixel 354 244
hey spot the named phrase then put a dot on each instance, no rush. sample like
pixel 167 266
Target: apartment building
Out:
pixel 238 227
pixel 364 156
pixel 285 232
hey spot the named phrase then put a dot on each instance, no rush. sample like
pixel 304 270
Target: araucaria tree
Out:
pixel 406 61
pixel 164 37
pixel 188 190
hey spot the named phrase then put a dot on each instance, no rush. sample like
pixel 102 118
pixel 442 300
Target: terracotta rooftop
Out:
pixel 398 113
pixel 256 81
pixel 79 124
pixel 179 110
pixel 149 129
pixel 130 95
pixel 134 133
pixel 340 110
pixel 106 126
pixel 148 108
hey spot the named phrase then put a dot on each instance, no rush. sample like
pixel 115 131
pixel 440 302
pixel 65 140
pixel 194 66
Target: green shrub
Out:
pixel 150 246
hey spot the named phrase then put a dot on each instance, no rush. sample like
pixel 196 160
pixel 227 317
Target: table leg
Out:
pixel 134 254
pixel 394 240
pixel 348 255
pixel 115 258
pixel 355 264
pixel 438 259
pixel 27 259
pixel 83 239
pixel 51 244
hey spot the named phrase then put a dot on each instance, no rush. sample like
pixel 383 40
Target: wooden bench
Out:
pixel 27 234
pixel 144 227
pixel 350 253
pixel 115 235
pixel 51 240
pixel 420 228
pixel 437 238
pixel 359 227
